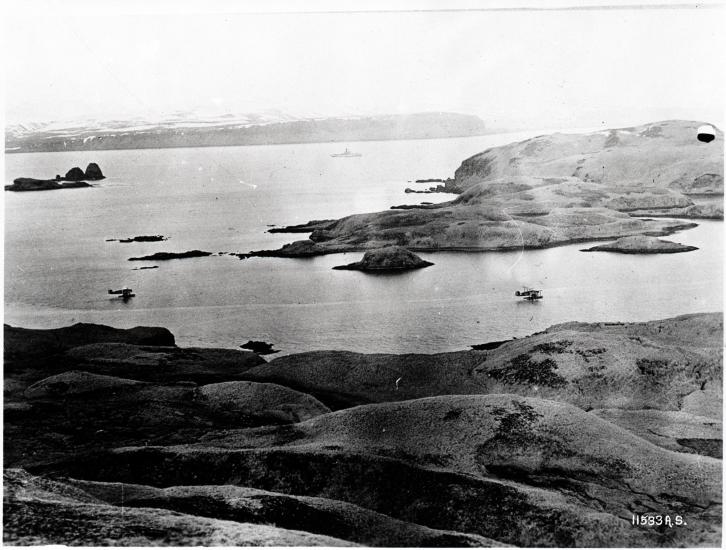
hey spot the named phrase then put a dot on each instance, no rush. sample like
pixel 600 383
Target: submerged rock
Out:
pixel 641 245
pixel 390 258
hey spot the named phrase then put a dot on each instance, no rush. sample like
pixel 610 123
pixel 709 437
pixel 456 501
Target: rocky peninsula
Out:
pixel 555 439
pixel 548 191
pixel 641 245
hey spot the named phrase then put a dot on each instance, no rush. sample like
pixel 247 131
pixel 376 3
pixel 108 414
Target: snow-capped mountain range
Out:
pixel 185 129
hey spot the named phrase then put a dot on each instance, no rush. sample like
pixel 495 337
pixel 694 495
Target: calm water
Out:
pixel 58 265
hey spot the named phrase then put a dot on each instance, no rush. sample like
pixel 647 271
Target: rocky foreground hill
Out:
pixel 557 439
pixel 546 191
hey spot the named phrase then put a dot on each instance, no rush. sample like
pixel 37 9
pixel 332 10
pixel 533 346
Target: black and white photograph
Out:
pixel 343 273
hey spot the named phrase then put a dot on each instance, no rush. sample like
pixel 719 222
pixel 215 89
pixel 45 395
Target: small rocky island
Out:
pixel 387 259
pixel 160 256
pixel 640 244
pixel 73 179
pixel 32 184
pixel 260 347
pixel 141 239
pixel 93 173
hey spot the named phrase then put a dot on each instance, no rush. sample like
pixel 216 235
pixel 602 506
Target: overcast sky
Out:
pixel 569 67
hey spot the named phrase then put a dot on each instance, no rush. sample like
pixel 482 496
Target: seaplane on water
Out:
pixel 125 293
pixel 529 294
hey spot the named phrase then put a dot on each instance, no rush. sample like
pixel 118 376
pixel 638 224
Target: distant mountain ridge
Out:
pixel 229 130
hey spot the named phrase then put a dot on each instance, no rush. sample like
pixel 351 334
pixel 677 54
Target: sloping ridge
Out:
pixel 446 462
pixel 665 154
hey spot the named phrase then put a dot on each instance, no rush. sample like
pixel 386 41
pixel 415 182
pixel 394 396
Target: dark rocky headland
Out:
pixel 556 439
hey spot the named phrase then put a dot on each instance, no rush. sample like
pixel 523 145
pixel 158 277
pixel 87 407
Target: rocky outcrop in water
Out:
pixel 388 259
pixel 142 239
pixel 73 179
pixel 641 245
pixel 260 347
pixel 161 256
pixel 32 184
pixel 93 172
pixel 75 174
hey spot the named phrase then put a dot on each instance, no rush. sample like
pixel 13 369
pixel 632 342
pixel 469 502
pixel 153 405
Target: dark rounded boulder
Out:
pixel 75 174
pixel 93 172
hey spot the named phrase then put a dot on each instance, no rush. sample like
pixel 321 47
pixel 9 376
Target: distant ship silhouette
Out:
pixel 346 153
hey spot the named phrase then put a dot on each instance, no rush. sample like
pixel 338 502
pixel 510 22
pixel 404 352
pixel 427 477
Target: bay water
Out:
pixel 59 263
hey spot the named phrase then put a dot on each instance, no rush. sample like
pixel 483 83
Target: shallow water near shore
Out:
pixel 58 264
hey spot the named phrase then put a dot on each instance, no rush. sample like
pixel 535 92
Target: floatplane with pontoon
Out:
pixel 529 294
pixel 124 294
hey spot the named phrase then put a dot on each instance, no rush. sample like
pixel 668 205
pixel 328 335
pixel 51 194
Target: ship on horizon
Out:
pixel 346 153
